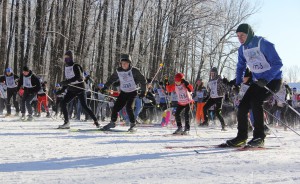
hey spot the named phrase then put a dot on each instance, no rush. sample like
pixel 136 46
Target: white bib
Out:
pixel 27 82
pixel 213 86
pixel 69 72
pixel 161 93
pixel 127 83
pixel 242 91
pixel 184 96
pixel 174 97
pixel 200 94
pixel 256 60
pixel 3 93
pixel 10 81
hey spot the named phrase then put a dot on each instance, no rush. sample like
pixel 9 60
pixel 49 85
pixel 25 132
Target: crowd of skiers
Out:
pixel 246 100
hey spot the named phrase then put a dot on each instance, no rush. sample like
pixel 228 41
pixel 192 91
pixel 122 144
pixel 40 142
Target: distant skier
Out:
pixel 31 85
pixel 10 79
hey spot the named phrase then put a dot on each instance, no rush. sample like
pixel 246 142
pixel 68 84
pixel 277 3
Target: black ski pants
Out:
pixel 179 109
pixel 218 110
pixel 123 99
pixel 81 95
pixel 253 99
pixel 12 93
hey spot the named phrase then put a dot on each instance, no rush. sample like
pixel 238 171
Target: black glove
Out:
pixel 232 82
pixel 103 90
pixel 64 83
pixel 186 83
pixel 142 94
pixel 166 81
pixel 225 81
pixel 261 82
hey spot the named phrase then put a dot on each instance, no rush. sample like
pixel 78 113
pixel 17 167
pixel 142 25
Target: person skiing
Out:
pixel 216 89
pixel 263 61
pixel 10 79
pixel 42 99
pixel 129 77
pixel 31 85
pixel 75 86
pixel 183 90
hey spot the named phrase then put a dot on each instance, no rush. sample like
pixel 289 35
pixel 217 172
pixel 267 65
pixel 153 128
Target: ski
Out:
pixel 219 149
pixel 189 147
pixel 103 131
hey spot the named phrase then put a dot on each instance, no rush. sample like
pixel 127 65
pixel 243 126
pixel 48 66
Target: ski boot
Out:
pixel 109 126
pixel 29 118
pixel 132 128
pixel 48 115
pixel 97 124
pixel 256 143
pixel 66 125
pixel 37 114
pixel 23 117
pixel 235 142
pixel 7 114
pixel 185 132
pixel 178 131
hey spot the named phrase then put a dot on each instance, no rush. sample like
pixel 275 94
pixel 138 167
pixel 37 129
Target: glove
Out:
pixel 64 83
pixel 225 81
pixel 232 82
pixel 166 81
pixel 103 90
pixel 261 83
pixel 186 83
pixel 142 94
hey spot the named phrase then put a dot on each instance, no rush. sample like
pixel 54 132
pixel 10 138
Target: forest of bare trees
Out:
pixel 188 36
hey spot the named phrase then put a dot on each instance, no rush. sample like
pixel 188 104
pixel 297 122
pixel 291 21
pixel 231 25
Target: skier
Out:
pixel 263 61
pixel 31 85
pixel 75 88
pixel 216 89
pixel 3 96
pixel 129 77
pixel 10 80
pixel 183 90
pixel 42 99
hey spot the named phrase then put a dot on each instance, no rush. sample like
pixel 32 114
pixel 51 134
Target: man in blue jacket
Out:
pixel 263 61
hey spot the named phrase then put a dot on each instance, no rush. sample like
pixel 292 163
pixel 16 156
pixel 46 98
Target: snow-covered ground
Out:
pixel 37 152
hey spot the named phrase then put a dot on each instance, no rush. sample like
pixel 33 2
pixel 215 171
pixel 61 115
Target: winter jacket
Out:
pixel 137 76
pixel 35 83
pixel 269 52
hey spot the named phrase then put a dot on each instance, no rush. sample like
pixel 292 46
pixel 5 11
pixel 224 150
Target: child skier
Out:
pixel 183 90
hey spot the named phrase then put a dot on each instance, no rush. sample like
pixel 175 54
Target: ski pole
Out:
pixel 193 119
pixel 267 119
pixel 97 100
pixel 160 67
pixel 282 100
pixel 282 122
pixel 49 97
pixel 91 91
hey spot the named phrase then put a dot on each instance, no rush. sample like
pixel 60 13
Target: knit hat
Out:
pixel 8 70
pixel 246 28
pixel 179 77
pixel 69 53
pixel 214 69
pixel 125 57
pixel 25 69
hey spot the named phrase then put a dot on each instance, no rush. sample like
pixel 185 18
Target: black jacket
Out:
pixel 137 76
pixel 35 82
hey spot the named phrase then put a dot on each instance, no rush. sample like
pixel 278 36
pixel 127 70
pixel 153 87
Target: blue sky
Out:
pixel 279 22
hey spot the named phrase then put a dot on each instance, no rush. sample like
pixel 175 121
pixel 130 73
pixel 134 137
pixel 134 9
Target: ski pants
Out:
pixel 218 110
pixel 186 116
pixel 81 95
pixel 124 99
pixel 253 99
pixel 42 100
pixel 12 93
pixel 27 98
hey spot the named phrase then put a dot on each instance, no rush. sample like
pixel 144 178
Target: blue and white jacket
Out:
pixel 269 52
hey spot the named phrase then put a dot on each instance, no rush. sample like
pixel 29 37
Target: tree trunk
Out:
pixel 3 36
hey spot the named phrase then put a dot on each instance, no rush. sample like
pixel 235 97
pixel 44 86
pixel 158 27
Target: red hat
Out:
pixel 179 77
